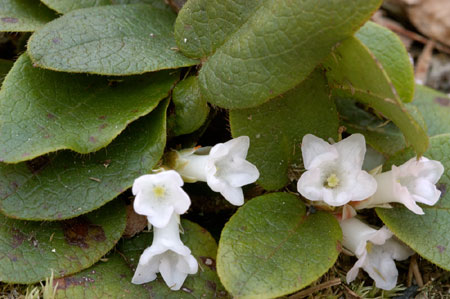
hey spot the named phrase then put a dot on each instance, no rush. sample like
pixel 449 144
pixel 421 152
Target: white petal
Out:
pixel 191 263
pixel 239 174
pixel 355 234
pixel 161 217
pixel 381 268
pixel 351 151
pixel 310 184
pixel 181 201
pixel 361 185
pixel 237 147
pixel 425 192
pixel 144 273
pixel 353 272
pixel 315 151
pixel 233 195
pixel 145 205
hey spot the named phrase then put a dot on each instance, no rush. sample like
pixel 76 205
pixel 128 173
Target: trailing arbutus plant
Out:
pixel 258 121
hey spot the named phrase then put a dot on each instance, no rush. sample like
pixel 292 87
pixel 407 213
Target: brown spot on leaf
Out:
pixel 441 248
pixel 135 110
pixel 338 246
pixel 102 126
pixel 209 262
pixel 92 139
pixel 64 283
pixel 80 231
pixel 102 117
pixel 17 238
pixel 50 116
pixel 442 101
pixel 10 20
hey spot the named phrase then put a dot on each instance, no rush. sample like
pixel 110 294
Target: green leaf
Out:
pixel 23 15
pixel 40 110
pixel 382 135
pixel 29 251
pixel 65 185
pixel 110 279
pixel 435 108
pixel 354 72
pixel 257 50
pixel 5 66
pixel 191 110
pixel 204 284
pixel 109 40
pixel 64 6
pixel 389 50
pixel 426 234
pixel 277 127
pixel 272 247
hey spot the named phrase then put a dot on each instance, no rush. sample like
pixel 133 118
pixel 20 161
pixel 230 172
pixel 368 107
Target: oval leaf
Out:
pixel 66 184
pixel 23 15
pixel 391 53
pixel 109 40
pixel 64 6
pixel 109 279
pixel 191 110
pixel 277 127
pixel 271 247
pixel 354 72
pixel 435 109
pixel 40 110
pixel 30 251
pixel 204 284
pixel 427 234
pixel 258 50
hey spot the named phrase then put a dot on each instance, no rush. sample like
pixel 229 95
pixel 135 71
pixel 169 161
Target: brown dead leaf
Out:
pixel 432 18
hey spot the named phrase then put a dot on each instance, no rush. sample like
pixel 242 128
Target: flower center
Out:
pixel 332 181
pixel 159 191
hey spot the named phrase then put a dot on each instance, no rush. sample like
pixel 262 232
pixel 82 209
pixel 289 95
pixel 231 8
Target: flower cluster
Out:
pixel 334 176
pixel 161 198
pixel 223 167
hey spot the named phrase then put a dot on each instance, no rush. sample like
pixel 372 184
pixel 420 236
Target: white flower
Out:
pixel 412 182
pixel 160 195
pixel 223 167
pixel 334 172
pixel 167 255
pixel 375 250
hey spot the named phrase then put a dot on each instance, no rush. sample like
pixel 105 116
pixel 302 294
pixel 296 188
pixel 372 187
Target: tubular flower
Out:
pixel 223 167
pixel 334 172
pixel 159 196
pixel 414 181
pixel 167 255
pixel 375 250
